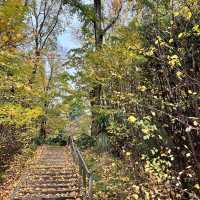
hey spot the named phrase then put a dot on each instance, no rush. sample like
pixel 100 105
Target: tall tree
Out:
pixel 45 24
pixel 44 18
pixel 19 106
pixel 95 16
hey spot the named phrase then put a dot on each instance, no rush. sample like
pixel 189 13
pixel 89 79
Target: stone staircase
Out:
pixel 51 176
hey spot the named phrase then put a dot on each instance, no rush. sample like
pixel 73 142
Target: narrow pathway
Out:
pixel 51 176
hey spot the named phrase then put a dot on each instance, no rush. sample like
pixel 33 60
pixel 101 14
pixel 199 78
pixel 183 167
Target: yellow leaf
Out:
pixel 180 35
pixel 142 88
pixel 132 119
pixel 196 28
pixel 176 14
pixel 195 123
pixel 197 186
pixel 18 36
pixel 145 131
pixel 135 197
pixel 179 74
pixel 171 41
pixel 128 153
pixel 189 15
pixel 5 38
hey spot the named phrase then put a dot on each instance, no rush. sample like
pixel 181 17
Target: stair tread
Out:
pixel 52 175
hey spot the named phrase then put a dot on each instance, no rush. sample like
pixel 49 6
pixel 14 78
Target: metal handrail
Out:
pixel 87 177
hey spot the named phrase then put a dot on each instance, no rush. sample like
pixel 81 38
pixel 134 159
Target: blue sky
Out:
pixel 69 39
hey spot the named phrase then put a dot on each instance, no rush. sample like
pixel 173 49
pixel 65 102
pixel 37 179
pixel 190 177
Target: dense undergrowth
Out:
pixel 120 179
pixel 131 178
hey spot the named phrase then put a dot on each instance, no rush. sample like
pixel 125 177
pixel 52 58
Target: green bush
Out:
pixel 85 141
pixel 39 140
pixel 103 143
pixel 58 139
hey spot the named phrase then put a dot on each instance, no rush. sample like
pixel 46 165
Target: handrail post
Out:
pixel 84 179
pixel 90 192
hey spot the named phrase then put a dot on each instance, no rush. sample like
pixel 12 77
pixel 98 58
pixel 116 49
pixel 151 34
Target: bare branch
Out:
pixel 53 25
pixel 111 24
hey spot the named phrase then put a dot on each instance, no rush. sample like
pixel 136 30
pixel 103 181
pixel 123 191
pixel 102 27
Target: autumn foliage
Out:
pixel 129 94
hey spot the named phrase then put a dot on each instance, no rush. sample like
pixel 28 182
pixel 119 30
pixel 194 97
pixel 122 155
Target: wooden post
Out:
pixel 90 192
pixel 84 179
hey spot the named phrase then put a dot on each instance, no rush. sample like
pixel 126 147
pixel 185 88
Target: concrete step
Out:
pixel 54 185
pixel 50 173
pixel 51 176
pixel 47 197
pixel 65 181
pixel 32 191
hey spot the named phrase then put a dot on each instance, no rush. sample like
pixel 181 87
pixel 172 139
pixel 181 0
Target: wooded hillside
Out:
pixel 129 95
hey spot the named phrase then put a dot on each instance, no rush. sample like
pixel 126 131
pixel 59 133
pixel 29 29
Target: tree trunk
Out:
pixel 43 123
pixel 95 94
pixel 98 23
pixel 43 132
pixel 95 103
